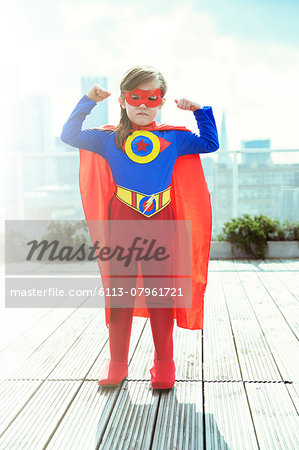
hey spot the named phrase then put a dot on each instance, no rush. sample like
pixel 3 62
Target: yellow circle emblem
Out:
pixel 142 146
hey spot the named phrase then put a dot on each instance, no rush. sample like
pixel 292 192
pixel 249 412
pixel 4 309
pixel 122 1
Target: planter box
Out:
pixel 276 249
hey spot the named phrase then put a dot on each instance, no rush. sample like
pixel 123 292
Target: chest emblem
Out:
pixel 142 146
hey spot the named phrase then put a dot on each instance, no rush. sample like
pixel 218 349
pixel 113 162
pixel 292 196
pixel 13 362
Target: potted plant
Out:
pixel 257 237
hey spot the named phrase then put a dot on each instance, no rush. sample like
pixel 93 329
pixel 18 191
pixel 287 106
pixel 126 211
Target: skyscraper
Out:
pixel 31 133
pixel 99 115
pixel 256 158
pixel 223 158
pixel 33 119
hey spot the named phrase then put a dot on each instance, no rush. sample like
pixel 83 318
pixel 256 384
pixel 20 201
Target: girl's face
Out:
pixel 142 114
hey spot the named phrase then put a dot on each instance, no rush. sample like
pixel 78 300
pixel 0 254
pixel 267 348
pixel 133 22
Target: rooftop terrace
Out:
pixel 236 380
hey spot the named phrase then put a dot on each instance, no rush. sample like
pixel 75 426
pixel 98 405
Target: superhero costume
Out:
pixel 154 157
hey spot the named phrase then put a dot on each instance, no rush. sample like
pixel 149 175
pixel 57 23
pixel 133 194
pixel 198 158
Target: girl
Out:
pixel 141 170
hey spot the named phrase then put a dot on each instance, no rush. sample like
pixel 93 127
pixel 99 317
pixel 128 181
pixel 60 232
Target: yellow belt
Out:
pixel 148 205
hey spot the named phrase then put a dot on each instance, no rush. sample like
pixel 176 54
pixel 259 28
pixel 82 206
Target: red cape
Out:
pixel 190 199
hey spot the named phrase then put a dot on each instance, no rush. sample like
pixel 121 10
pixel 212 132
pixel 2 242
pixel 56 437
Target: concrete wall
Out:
pixel 276 249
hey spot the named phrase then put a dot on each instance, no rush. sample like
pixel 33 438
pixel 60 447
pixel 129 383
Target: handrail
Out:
pixel 74 153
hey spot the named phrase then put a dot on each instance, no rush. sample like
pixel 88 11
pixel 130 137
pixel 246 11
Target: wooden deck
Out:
pixel 236 380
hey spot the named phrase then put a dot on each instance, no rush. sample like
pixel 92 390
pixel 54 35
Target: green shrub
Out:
pixel 68 234
pixel 290 231
pixel 251 233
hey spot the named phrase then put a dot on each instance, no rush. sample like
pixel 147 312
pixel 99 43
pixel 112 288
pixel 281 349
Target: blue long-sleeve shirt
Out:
pixel 149 177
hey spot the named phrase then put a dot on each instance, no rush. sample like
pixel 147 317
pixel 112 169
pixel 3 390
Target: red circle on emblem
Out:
pixel 150 207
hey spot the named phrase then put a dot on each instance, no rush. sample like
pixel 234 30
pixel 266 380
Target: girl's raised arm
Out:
pixel 190 143
pixel 72 133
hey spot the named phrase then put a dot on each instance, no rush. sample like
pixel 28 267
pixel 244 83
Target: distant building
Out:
pixel 208 165
pixel 66 169
pixel 158 116
pixel 223 158
pixel 258 159
pixel 273 191
pixel 34 134
pixel 99 115
pixel 33 122
pixel 289 203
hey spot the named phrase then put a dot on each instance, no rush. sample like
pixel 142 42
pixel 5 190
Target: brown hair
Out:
pixel 133 78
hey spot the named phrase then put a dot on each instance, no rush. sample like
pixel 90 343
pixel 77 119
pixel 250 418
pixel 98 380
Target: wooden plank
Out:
pixel 291 282
pixel 86 420
pixel 24 345
pixel 132 421
pixel 15 321
pixel 282 341
pixel 74 414
pixel 274 415
pixel 213 265
pixel 180 418
pixel 285 270
pixel 276 265
pixel 47 355
pixel 80 357
pixel 22 328
pixel 13 397
pixel 220 357
pixel 262 265
pixel 293 390
pixel 282 286
pixel 228 423
pixel 244 265
pixel 36 422
pixel 226 265
pixel 188 353
pixel 291 265
pixel 284 299
pixel 32 337
pixel 254 353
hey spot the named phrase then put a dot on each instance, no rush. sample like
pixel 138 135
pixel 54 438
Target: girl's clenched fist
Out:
pixel 97 93
pixel 187 105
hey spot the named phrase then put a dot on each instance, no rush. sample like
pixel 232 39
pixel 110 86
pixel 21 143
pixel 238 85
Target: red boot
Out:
pixel 163 370
pixel 120 327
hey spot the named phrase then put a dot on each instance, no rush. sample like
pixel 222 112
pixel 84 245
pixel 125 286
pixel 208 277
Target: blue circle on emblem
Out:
pixel 142 146
pixel 151 209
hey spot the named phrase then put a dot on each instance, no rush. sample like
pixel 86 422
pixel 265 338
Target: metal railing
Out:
pixel 41 184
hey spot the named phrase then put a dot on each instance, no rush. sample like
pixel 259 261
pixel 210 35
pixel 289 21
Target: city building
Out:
pixel 272 190
pixel 99 115
pixel 256 158
pixel 33 122
pixel 223 157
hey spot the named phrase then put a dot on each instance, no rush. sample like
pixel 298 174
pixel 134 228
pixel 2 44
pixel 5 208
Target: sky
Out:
pixel 240 57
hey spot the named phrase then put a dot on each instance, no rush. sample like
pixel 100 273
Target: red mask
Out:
pixel 143 97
